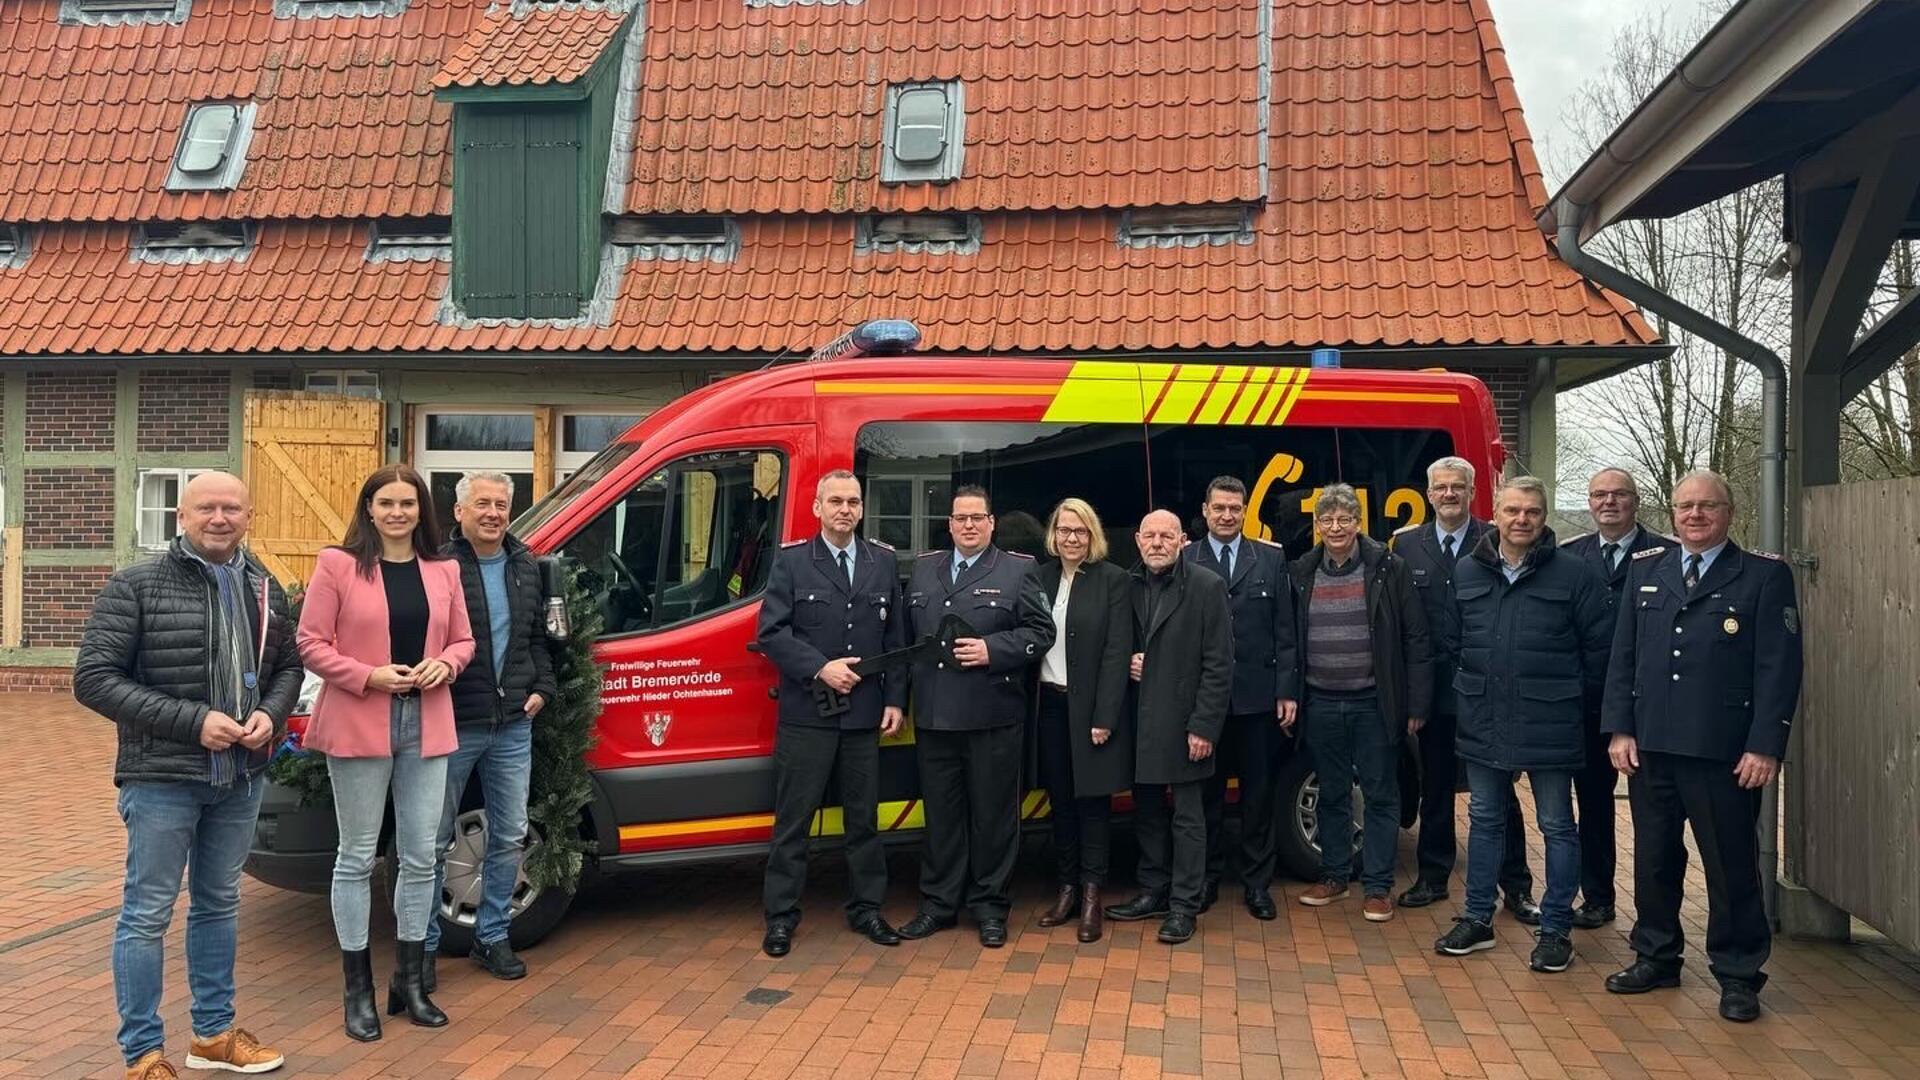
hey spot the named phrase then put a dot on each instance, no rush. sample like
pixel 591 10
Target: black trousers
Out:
pixel 1593 788
pixel 1249 749
pixel 1173 841
pixel 1667 792
pixel 1081 826
pixel 1437 847
pixel 804 759
pixel 970 783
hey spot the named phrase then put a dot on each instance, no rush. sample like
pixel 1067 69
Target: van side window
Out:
pixel 689 539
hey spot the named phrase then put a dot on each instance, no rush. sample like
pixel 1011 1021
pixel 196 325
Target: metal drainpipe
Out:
pixel 1773 448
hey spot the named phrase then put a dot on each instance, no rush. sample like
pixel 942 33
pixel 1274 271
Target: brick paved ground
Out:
pixel 651 977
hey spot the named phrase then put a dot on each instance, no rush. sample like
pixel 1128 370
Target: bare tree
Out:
pixel 1880 432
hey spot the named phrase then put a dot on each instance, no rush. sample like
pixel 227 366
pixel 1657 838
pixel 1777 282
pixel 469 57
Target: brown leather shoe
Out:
pixel 152 1066
pixel 1324 893
pixel 1377 908
pixel 1063 907
pixel 1093 920
pixel 235 1050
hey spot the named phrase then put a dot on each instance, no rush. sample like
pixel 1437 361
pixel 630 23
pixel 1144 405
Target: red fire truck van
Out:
pixel 675 524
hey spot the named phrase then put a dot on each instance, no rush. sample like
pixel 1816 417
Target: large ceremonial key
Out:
pixel 830 702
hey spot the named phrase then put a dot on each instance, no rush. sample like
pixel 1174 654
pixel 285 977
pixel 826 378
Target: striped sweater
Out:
pixel 1339 640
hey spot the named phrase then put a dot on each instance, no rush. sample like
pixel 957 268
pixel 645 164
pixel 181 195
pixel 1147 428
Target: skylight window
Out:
pixel 212 152
pixel 925 133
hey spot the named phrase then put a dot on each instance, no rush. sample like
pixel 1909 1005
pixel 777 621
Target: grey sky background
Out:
pixel 1553 45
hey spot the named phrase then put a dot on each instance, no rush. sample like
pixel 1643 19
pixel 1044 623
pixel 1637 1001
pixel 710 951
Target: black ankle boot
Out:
pixel 363 1020
pixel 405 991
pixel 429 975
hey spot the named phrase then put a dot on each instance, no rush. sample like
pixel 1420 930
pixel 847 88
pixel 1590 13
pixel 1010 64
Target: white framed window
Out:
pixel 908 511
pixel 349 382
pixel 581 434
pixel 157 503
pixel 453 439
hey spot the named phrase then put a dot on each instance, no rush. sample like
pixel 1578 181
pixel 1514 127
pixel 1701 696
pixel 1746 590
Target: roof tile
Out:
pixel 532 47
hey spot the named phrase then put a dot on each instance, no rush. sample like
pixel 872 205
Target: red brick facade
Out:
pixel 184 411
pixel 58 599
pixel 46 680
pixel 70 412
pixel 69 508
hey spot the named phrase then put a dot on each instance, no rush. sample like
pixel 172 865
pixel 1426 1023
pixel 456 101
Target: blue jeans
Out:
pixel 1490 794
pixel 205 832
pixel 503 753
pixel 1348 737
pixel 360 787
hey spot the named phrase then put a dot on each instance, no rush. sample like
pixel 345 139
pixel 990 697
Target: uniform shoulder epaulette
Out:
pixel 1269 543
pixel 1409 528
pixel 881 544
pixel 1765 555
pixel 1647 553
pixel 931 554
pixel 1571 539
pixel 1019 555
pixel 798 543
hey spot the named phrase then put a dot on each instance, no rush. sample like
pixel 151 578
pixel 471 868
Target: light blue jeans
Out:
pixel 204 832
pixel 503 754
pixel 360 787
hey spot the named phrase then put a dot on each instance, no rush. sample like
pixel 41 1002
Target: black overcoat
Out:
pixel 1187 678
pixel 1099 646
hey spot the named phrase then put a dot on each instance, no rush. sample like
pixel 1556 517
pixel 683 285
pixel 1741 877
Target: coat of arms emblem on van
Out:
pixel 657 725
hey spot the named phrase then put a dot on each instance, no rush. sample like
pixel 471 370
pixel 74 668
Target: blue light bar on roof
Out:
pixel 875 337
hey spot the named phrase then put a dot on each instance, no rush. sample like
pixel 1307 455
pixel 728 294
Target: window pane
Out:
pixel 721 548
pixel 480 431
pixel 323 382
pixel 619 556
pixel 157 527
pixel 920 125
pixel 889 496
pixel 584 434
pixel 602 465
pixel 895 531
pixel 160 491
pixel 444 484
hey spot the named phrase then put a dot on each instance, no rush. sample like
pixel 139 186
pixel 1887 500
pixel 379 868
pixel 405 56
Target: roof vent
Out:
pixel 697 237
pixel 925 133
pixel 212 152
pixel 925 234
pixel 120 12
pixel 1186 226
pixel 411 239
pixel 13 245
pixel 192 241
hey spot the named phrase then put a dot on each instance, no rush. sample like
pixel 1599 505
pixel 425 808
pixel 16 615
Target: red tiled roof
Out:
pixel 537 47
pixel 1401 181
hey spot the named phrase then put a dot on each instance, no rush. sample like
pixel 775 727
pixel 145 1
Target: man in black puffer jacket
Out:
pixel 494 702
pixel 1536 630
pixel 191 656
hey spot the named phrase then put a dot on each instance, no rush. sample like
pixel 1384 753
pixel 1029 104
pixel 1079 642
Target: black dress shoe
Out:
pixel 993 932
pixel 779 940
pixel 1209 895
pixel 1592 916
pixel 1422 894
pixel 1147 905
pixel 924 925
pixel 1260 905
pixel 1176 929
pixel 497 960
pixel 1640 977
pixel 1523 908
pixel 1740 1004
pixel 877 930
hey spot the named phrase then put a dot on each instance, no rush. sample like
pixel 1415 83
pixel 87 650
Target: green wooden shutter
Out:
pixel 553 228
pixel 490 196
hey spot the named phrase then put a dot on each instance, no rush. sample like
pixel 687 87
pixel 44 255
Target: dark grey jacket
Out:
pixel 1186 679
pixel 1260 597
pixel 1402 659
pixel 1433 581
pixel 146 663
pixel 481 694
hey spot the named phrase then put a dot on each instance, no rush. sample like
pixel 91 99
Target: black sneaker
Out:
pixel 498 960
pixel 1466 937
pixel 1551 952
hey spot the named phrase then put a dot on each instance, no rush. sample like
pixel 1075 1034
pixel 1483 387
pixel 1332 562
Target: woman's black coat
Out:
pixel 1099 636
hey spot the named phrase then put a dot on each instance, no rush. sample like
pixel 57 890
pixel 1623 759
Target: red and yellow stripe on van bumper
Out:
pixel 898 816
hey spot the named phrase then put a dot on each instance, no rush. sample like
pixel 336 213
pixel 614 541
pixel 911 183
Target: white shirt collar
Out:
pixel 1224 545
pixel 838 551
pixel 1625 542
pixel 1459 535
pixel 1707 557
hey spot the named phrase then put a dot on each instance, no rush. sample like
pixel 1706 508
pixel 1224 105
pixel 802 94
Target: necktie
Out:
pixel 1611 552
pixel 1226 561
pixel 1693 571
pixel 960 568
pixel 1446 546
pixel 846 566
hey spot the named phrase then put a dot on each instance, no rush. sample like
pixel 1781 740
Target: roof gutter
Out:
pixel 1773 440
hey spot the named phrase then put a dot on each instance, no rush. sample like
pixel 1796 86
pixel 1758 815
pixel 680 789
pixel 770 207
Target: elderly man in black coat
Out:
pixel 1183 671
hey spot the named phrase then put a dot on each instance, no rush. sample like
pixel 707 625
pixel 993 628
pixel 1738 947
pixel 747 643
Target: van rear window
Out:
pixel 910 469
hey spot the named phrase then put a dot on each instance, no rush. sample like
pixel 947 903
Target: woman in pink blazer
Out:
pixel 384 625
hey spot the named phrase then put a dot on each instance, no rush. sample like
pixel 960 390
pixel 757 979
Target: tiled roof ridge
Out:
pixel 1507 94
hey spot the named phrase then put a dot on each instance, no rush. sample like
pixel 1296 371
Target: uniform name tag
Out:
pixel 986 592
pixel 1649 588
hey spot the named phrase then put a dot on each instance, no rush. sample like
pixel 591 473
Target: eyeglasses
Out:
pixel 969 519
pixel 1069 532
pixel 1612 493
pixel 1449 489
pixel 1336 522
pixel 1705 505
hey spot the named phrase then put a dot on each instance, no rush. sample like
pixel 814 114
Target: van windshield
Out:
pixel 582 478
pixel 910 469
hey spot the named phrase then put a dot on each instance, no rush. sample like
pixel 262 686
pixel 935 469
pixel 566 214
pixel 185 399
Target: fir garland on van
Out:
pixel 562 735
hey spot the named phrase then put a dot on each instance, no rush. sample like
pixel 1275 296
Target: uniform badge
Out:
pixel 1791 616
pixel 1731 626
pixel 657 725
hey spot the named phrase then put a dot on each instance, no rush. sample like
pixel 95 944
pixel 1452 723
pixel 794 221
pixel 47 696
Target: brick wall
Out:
pixel 58 599
pixel 184 411
pixel 70 411
pixel 44 680
pixel 1508 385
pixel 69 507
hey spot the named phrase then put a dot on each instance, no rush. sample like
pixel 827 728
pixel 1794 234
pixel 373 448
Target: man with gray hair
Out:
pixel 1369 684
pixel 494 703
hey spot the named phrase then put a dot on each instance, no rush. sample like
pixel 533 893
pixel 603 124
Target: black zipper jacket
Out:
pixel 482 695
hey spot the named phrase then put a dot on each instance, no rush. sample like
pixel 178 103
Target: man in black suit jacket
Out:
pixel 831 600
pixel 1430 551
pixel 1613 498
pixel 1265 691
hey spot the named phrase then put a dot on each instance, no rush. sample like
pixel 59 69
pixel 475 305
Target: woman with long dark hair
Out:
pixel 384 624
pixel 1085 743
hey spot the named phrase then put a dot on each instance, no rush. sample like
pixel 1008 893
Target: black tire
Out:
pixel 536 911
pixel 1297 846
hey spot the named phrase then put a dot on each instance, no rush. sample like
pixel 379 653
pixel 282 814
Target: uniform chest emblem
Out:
pixel 1731 626
pixel 657 725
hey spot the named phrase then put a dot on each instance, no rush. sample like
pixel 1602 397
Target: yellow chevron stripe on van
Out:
pixel 1252 396
pixel 1295 388
pixel 1225 391
pixel 1183 393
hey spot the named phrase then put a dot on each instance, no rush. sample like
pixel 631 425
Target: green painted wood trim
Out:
pixel 239 381
pixel 197 459
pixel 70 557
pixel 126 436
pixel 24 657
pixel 13 423
pixel 70 459
pixel 548 93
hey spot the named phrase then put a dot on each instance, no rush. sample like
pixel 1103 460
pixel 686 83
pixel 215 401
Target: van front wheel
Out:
pixel 534 911
pixel 1298 838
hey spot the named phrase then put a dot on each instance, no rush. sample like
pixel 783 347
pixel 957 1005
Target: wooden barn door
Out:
pixel 305 458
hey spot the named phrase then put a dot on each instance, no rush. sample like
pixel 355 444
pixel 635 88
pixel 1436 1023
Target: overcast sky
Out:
pixel 1552 44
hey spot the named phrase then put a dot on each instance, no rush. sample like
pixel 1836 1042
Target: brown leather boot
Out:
pixel 1063 907
pixel 1092 917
